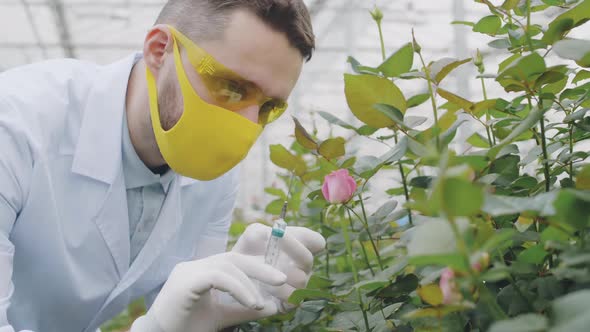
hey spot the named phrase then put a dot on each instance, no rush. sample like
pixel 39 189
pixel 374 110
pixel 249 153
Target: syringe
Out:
pixel 271 257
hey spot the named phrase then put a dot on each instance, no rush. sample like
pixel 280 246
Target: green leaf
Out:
pixel 370 285
pixel 335 120
pixel 318 282
pixel 496 274
pixel 563 23
pixel 360 69
pixel 453 98
pixel 476 162
pixel 478 141
pixel 549 77
pixel 501 43
pixel 431 294
pixel 281 157
pixel 348 162
pixel 443 67
pixel 533 255
pixel 274 207
pixel 574 49
pixel 581 76
pixel 501 238
pixel 577 115
pixel 414 121
pixel 384 210
pixel 510 4
pixel 455 261
pixel 399 62
pixel 554 234
pixel 529 122
pixel 366 130
pixel 395 191
pixel 275 192
pixel 524 69
pixel 300 295
pixel 572 208
pixel 542 204
pixel 364 91
pixel 437 313
pixel 367 166
pixel 488 25
pixel 583 178
pixel 461 197
pixel 484 105
pixel 522 323
pixel 418 99
pixel 303 137
pixel 332 148
pixel 506 62
pixel 469 24
pixel 391 112
pixel 554 2
pixel 571 312
pixel 396 153
pixel 421 181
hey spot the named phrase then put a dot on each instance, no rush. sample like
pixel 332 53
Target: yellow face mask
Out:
pixel 209 140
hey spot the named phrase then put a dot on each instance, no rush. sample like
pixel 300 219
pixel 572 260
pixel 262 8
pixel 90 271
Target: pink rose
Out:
pixel 338 187
pixel 448 287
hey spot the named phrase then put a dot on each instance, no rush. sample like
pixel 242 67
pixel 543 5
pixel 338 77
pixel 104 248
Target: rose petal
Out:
pixel 325 190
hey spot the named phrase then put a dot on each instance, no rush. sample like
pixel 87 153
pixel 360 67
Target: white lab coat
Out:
pixel 64 228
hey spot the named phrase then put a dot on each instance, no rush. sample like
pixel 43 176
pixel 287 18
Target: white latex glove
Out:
pixel 297 249
pixel 189 300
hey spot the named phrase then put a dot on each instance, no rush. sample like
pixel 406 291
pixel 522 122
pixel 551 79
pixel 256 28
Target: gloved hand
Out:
pixel 298 247
pixel 190 300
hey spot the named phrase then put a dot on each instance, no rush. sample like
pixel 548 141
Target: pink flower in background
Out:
pixel 338 187
pixel 448 287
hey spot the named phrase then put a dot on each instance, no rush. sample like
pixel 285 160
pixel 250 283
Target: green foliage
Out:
pixel 509 215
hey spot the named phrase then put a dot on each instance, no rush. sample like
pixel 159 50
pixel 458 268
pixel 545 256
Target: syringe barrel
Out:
pixel 272 248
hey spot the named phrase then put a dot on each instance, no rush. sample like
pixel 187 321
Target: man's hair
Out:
pixel 207 19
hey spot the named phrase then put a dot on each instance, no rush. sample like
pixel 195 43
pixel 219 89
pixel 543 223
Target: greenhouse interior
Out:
pixel 430 172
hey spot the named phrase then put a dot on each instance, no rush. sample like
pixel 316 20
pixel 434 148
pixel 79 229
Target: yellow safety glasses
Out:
pixel 228 89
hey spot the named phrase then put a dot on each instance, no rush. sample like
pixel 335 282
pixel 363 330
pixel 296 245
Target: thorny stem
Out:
pixel 381 39
pixel 369 232
pixel 401 168
pixel 355 275
pixel 485 97
pixel 571 141
pixel 432 100
pixel 322 219
pixel 528 25
pixel 404 183
pixel 543 147
pixel 365 256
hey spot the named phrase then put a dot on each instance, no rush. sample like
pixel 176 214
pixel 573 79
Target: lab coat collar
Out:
pixel 136 173
pixel 98 151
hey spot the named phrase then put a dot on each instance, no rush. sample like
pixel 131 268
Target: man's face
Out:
pixel 251 49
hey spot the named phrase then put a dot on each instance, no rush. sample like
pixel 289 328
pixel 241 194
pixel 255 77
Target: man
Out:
pixel 118 182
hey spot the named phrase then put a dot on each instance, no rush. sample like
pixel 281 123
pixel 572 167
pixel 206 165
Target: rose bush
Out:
pixel 489 238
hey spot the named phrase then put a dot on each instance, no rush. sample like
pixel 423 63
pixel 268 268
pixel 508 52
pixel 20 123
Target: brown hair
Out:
pixel 208 18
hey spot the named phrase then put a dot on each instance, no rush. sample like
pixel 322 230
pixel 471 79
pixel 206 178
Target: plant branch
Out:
pixel 544 148
pixel 432 100
pixel 355 275
pixel 404 183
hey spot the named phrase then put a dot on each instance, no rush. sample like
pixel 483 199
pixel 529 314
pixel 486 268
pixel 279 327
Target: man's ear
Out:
pixel 157 43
